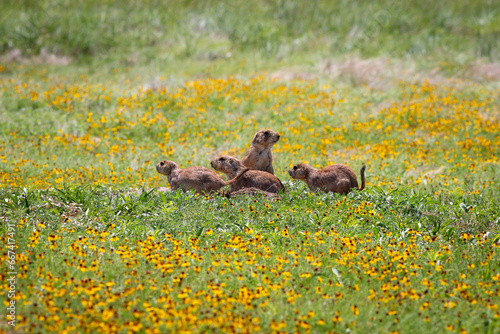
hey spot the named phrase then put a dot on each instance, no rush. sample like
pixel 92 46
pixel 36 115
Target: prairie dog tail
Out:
pixel 362 172
pixel 237 177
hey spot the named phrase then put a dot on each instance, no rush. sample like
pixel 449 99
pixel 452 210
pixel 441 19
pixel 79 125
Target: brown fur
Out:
pixel 252 178
pixel 197 178
pixel 336 178
pixel 259 156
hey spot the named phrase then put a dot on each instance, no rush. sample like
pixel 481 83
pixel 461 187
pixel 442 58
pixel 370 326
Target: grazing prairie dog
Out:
pixel 259 156
pixel 337 178
pixel 232 167
pixel 197 178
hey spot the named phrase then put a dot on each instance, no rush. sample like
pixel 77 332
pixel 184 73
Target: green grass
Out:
pixel 370 261
pixel 94 93
pixel 395 211
pixel 131 33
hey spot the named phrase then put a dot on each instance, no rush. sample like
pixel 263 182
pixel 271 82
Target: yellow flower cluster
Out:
pixel 94 282
pixel 80 132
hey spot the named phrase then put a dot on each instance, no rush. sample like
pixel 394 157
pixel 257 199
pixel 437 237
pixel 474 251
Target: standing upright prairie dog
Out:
pixel 257 179
pixel 197 178
pixel 337 178
pixel 259 156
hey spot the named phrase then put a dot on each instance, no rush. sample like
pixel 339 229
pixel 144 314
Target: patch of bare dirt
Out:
pixel 377 73
pixel 479 71
pixel 155 84
pixel 385 73
pixel 45 57
pixel 292 74
pixel 252 192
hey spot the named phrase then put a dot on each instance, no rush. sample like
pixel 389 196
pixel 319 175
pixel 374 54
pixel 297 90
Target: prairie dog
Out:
pixel 337 178
pixel 232 167
pixel 198 178
pixel 259 156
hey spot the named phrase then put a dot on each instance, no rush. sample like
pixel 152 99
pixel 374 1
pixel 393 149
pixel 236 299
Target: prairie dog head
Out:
pixel 265 138
pixel 226 164
pixel 165 167
pixel 300 171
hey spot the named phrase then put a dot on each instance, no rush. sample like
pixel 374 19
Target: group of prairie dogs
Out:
pixel 255 171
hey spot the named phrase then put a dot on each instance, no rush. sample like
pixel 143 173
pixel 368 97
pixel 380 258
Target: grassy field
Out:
pixel 94 93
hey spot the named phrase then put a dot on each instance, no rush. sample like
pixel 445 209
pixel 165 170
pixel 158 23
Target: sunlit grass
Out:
pixel 431 136
pixel 276 272
pixel 99 251
pixel 86 113
pixel 93 259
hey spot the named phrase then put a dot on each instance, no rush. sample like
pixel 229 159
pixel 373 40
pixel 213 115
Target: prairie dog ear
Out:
pixel 234 164
pixel 258 138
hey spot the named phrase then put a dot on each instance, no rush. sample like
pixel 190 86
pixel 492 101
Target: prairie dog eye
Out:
pixel 162 163
pixel 266 133
pixel 222 159
pixel 294 167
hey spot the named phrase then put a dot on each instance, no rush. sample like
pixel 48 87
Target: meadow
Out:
pixel 94 93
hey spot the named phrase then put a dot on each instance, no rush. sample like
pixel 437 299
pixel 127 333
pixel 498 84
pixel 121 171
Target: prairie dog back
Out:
pixel 252 179
pixel 197 178
pixel 337 178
